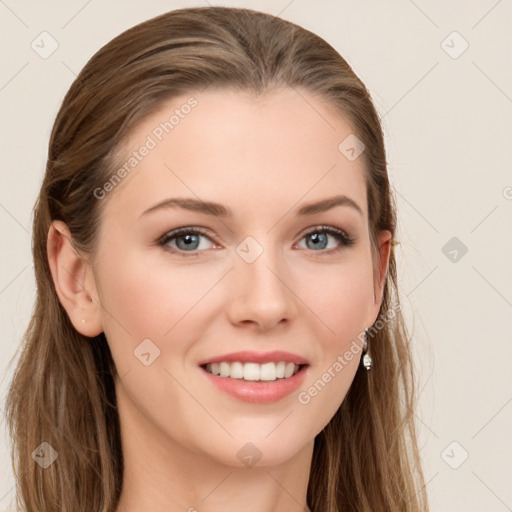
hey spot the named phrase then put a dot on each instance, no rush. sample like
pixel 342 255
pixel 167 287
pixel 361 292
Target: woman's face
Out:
pixel 260 279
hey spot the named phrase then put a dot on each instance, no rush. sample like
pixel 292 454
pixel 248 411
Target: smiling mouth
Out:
pixel 254 372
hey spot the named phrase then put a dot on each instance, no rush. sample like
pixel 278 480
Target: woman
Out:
pixel 217 324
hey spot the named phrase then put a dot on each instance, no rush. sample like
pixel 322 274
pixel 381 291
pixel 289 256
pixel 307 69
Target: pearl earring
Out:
pixel 367 359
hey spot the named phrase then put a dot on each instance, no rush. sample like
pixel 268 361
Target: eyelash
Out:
pixel 340 235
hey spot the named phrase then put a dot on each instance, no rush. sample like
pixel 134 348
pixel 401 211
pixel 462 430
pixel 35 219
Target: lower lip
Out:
pixel 258 392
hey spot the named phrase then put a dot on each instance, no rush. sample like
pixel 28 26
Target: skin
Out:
pixel 263 158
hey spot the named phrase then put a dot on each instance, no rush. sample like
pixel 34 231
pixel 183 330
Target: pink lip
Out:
pixel 256 391
pixel 248 356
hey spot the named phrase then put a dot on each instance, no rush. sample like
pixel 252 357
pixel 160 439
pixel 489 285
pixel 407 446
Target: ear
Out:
pixel 74 281
pixel 384 243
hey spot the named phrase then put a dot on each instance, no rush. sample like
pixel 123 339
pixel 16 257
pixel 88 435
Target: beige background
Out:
pixel 447 118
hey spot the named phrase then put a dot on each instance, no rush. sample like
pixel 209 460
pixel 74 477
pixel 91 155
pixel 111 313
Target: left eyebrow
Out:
pixel 327 204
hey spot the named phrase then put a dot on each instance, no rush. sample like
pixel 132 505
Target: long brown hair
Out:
pixel 63 393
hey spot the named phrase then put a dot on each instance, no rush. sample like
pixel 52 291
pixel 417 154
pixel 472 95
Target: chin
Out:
pixel 255 447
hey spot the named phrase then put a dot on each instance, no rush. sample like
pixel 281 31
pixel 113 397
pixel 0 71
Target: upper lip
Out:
pixel 248 356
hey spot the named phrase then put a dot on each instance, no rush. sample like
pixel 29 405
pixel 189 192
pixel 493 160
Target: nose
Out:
pixel 261 292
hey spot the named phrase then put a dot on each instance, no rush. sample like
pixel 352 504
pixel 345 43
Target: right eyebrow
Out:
pixel 207 207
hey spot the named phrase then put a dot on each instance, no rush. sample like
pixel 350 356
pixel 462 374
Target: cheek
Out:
pixel 340 301
pixel 339 295
pixel 158 303
pixel 147 300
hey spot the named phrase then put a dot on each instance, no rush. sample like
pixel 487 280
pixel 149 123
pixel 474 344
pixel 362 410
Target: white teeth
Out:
pixel 268 371
pixel 224 369
pixel 253 371
pixel 237 371
pixel 288 371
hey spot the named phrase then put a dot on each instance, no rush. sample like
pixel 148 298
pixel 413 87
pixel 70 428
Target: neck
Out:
pixel 163 475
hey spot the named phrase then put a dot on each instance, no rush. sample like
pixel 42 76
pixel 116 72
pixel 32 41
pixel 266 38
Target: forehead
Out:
pixel 272 151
